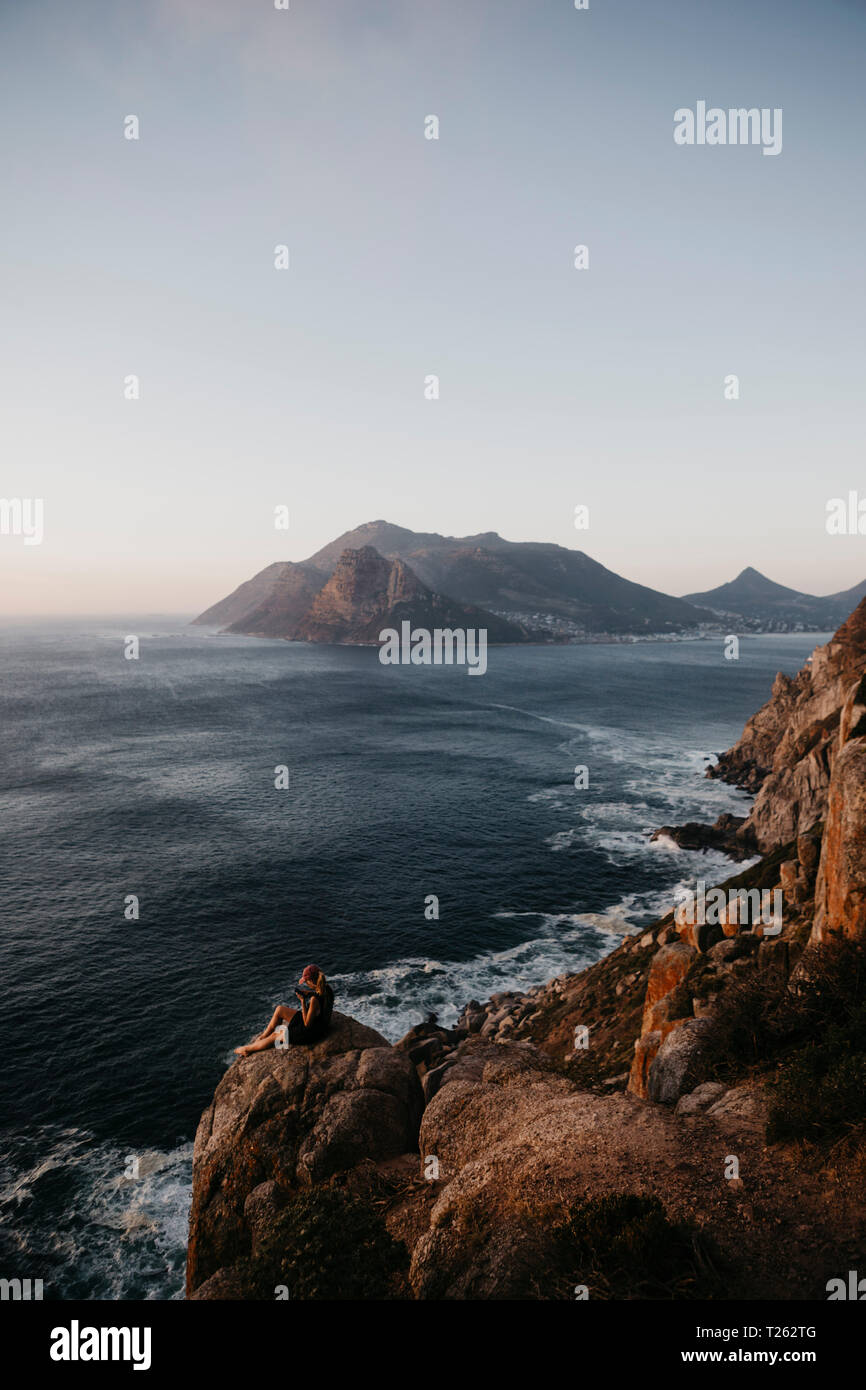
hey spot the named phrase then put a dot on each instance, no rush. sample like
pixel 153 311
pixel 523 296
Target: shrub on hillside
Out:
pixel 626 1247
pixel 813 1027
pixel 328 1245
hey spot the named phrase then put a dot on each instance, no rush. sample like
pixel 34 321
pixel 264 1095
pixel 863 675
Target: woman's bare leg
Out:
pixel 282 1015
pixel 279 1012
pixel 258 1046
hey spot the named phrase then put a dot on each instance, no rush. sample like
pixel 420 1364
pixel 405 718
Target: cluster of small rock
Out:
pixel 506 1017
pixel 669 1049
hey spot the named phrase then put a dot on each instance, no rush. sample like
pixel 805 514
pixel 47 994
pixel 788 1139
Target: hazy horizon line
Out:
pixel 229 586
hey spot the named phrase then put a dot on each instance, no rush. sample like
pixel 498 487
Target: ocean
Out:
pixel 430 847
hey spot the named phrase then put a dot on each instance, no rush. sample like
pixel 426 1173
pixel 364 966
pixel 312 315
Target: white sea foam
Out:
pixel 397 996
pixel 664 843
pixel 121 1237
pixel 661 775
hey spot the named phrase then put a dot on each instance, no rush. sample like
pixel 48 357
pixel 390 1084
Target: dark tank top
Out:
pixel 319 1025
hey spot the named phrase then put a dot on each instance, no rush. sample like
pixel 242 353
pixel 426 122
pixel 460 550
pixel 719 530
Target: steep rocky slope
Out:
pixel 272 600
pixel 281 609
pixel 840 896
pixel 786 751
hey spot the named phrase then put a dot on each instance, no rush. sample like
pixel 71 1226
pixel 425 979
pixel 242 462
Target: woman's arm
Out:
pixel 309 1010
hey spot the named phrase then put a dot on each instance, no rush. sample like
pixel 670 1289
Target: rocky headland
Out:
pixel 684 1119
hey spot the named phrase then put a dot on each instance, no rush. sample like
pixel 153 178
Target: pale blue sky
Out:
pixel 410 257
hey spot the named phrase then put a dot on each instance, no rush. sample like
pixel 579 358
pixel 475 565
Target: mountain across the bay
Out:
pixel 518 590
pixel 775 607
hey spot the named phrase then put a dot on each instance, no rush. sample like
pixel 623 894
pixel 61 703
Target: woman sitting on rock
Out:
pixel 290 1027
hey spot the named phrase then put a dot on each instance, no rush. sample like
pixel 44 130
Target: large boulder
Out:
pixel 786 750
pixel 290 1118
pixel 677 1065
pixel 701 1098
pixel 740 1108
pixel 516 1142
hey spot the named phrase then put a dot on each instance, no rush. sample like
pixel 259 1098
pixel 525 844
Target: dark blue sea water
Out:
pixel 155 778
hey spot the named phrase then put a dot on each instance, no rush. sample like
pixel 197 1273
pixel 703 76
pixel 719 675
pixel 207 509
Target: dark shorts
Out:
pixel 301 1036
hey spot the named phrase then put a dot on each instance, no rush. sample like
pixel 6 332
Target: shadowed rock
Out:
pixel 786 750
pixel 292 1118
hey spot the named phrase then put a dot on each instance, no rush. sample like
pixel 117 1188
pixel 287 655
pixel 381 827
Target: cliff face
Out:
pixel 356 599
pixel 804 753
pixel 283 1120
pixel 840 896
pixel 367 593
pixel 786 751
